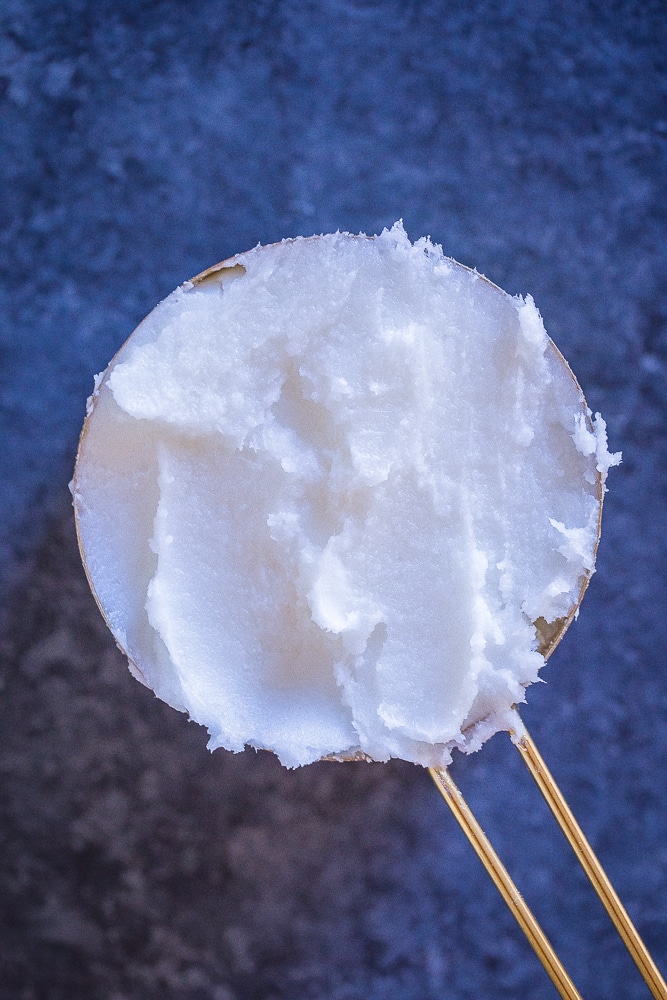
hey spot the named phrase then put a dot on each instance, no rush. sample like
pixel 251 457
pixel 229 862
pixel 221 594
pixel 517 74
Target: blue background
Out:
pixel 142 143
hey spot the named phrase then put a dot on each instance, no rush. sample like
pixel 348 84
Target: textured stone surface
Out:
pixel 144 142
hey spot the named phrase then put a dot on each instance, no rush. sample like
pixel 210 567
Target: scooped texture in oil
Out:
pixel 324 496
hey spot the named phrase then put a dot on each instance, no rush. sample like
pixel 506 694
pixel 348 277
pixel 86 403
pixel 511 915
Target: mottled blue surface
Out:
pixel 143 142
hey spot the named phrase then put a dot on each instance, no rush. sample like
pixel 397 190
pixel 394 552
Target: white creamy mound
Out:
pixel 324 494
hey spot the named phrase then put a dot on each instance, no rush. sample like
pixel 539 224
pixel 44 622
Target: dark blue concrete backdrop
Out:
pixel 143 142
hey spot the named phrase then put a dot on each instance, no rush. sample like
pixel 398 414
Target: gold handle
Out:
pixel 505 885
pixel 589 862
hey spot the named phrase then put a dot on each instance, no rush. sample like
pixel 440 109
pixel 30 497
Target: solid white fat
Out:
pixel 324 495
